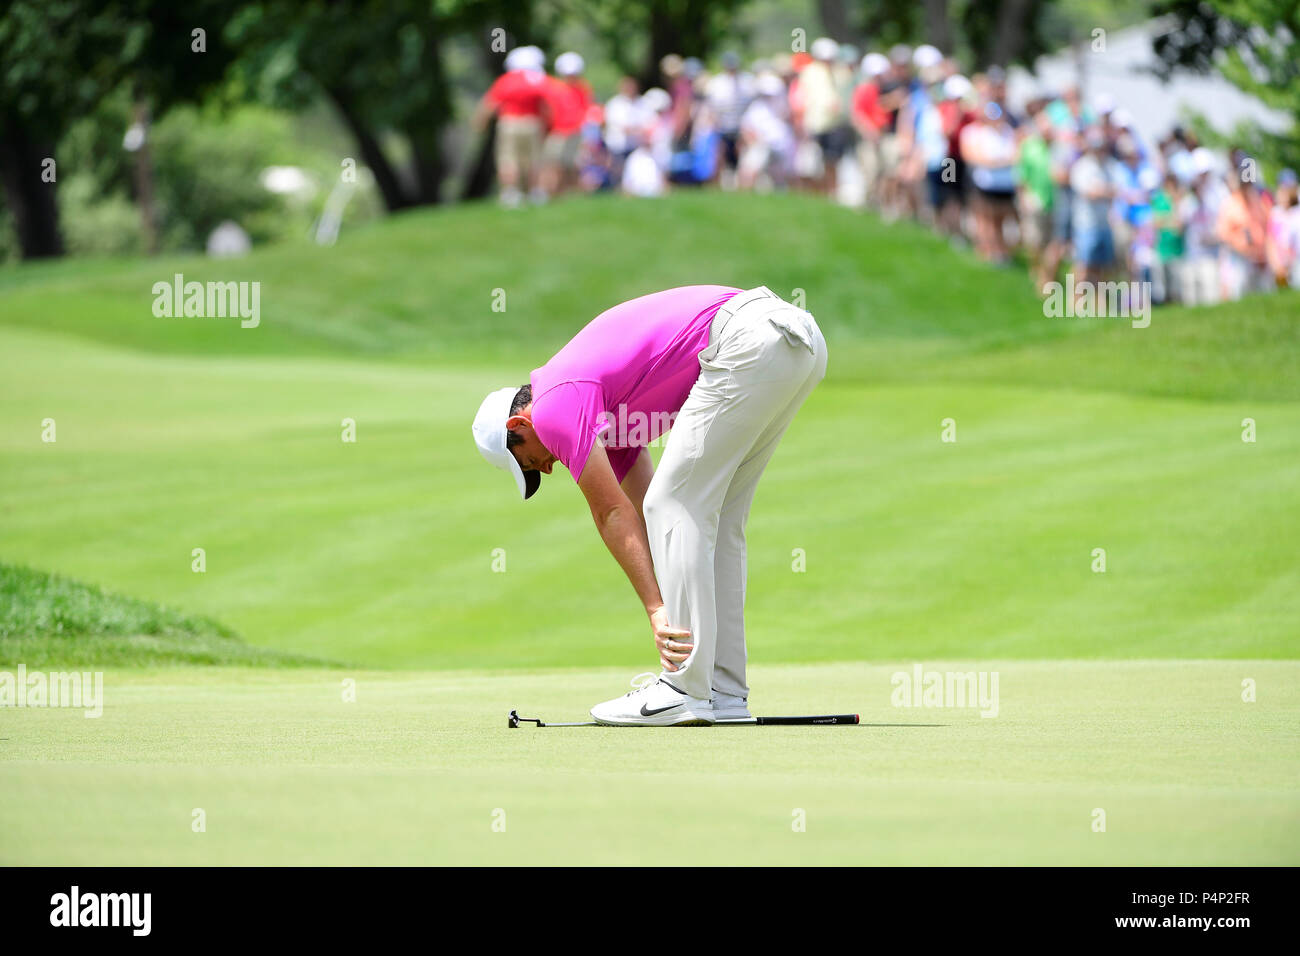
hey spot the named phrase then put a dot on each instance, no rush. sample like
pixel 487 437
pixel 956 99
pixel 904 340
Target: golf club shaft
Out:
pixel 794 721
pixel 816 719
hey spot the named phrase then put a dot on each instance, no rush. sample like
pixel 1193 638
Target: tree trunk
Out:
pixel 938 28
pixel 32 201
pixel 1009 31
pixel 835 21
pixel 144 196
pixel 674 28
pixel 481 172
pixel 430 165
pixel 425 129
pixel 386 178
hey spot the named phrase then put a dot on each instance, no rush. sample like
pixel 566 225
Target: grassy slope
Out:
pixel 414 770
pixel 379 552
pixel 48 621
pixel 896 302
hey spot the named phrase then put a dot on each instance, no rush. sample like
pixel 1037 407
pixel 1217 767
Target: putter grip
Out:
pixel 819 719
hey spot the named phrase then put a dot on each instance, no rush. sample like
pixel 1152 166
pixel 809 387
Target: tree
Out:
pixel 59 59
pixel 1255 44
pixel 660 27
pixel 983 32
pixel 383 66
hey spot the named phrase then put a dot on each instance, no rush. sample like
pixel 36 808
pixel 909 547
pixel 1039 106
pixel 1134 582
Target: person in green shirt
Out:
pixel 1035 190
pixel 1165 211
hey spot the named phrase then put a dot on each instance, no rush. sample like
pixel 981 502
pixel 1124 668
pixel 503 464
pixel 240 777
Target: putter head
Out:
pixel 515 719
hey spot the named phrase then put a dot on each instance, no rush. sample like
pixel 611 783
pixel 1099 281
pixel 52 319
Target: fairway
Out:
pixel 419 768
pixel 870 536
pixel 974 488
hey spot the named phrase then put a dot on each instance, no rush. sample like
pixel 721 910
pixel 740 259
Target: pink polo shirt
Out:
pixel 626 374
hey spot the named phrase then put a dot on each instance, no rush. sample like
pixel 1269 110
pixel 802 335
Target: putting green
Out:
pixel 873 544
pixel 421 766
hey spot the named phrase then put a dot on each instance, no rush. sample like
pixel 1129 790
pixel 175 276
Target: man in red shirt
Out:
pixel 568 96
pixel 870 119
pixel 518 99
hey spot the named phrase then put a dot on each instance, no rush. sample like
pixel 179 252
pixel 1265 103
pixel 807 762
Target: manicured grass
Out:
pixel 419 768
pixel 50 621
pixel 380 552
pixel 404 561
pixel 475 284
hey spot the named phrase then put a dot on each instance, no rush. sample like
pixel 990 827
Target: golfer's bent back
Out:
pixel 726 370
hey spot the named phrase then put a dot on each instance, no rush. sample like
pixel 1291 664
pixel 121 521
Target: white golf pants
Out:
pixel 764 357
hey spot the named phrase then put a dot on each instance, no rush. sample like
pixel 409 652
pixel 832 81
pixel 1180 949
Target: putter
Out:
pixel 516 720
pixel 817 719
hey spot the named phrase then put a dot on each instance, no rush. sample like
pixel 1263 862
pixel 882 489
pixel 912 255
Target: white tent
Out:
pixel 1117 72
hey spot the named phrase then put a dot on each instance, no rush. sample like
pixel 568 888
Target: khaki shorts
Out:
pixel 519 142
pixel 891 153
pixel 561 150
pixel 871 162
pixel 1035 223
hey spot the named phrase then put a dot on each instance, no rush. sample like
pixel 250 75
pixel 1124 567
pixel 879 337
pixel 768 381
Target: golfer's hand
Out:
pixel 674 644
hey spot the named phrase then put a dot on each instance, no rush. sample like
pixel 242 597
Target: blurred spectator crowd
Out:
pixel 1066 182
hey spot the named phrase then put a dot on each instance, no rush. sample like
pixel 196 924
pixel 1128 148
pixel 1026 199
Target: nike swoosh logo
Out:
pixel 650 713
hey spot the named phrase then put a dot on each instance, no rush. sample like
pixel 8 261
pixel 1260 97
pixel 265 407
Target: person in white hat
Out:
pixel 767 140
pixel 518 100
pixel 870 120
pixel 569 97
pixel 820 112
pixel 725 370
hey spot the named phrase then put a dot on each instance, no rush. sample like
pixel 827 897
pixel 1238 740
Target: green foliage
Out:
pixel 97 224
pixel 207 167
pixel 207 171
pixel 1256 45
pixel 47 620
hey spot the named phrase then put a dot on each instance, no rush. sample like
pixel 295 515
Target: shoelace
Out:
pixel 641 681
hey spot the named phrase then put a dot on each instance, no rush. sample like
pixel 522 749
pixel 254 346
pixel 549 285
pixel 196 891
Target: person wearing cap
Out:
pixel 646 171
pixel 727 95
pixel 988 148
pixel 1242 226
pixel 1093 186
pixel 913 161
pixel 1199 282
pixel 895 87
pixel 1132 212
pixel 819 113
pixel 767 141
pixel 869 120
pixel 726 370
pixel 518 99
pixel 679 86
pixel 945 177
pixel 624 118
pixel 568 96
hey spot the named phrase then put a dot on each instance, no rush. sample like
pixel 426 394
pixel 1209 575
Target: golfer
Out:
pixel 725 370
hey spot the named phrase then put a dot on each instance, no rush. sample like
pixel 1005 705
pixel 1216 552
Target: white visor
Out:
pixel 490 436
